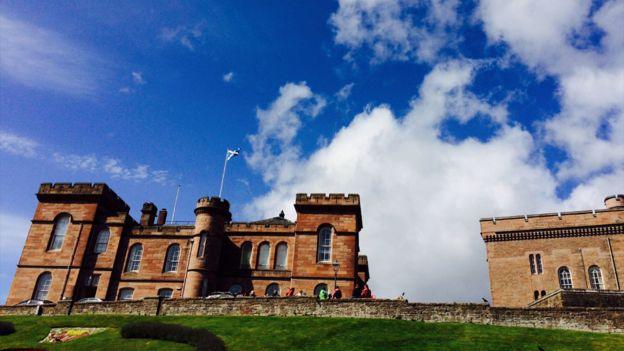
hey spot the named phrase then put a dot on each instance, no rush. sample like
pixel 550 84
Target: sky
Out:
pixel 438 113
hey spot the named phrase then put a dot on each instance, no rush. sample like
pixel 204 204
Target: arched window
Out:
pixel 565 278
pixel 318 288
pixel 263 256
pixel 543 293
pixel 202 244
pixel 101 241
pixel 172 258
pixel 272 289
pixel 134 258
pixel 535 295
pixel 532 263
pixel 281 256
pixel 165 293
pixel 538 263
pixel 58 233
pixel 324 245
pixel 595 278
pixel 245 262
pixel 125 294
pixel 43 286
pixel 236 289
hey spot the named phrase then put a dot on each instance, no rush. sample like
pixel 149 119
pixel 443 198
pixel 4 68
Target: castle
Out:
pixel 83 243
pixel 536 259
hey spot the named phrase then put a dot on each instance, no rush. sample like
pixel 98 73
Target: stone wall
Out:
pixel 607 320
pixel 581 298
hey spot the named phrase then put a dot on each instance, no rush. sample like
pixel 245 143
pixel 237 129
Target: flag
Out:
pixel 231 153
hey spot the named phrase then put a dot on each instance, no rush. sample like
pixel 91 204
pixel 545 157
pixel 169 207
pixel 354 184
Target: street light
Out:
pixel 336 267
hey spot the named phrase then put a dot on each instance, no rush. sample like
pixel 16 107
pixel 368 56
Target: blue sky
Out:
pixel 436 112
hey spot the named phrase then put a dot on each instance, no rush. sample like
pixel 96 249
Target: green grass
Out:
pixel 304 333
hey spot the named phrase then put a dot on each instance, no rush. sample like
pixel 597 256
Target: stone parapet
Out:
pixel 328 199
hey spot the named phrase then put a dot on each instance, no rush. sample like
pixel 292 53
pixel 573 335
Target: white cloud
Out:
pixel 272 145
pixel 76 162
pixel 344 92
pixel 552 38
pixel 116 169
pixel 17 145
pixel 186 36
pixel 42 59
pixel 13 233
pixel 126 90
pixel 228 77
pixel 391 30
pixel 137 78
pixel 422 197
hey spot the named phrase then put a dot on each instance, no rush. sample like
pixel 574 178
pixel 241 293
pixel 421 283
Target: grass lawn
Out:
pixel 306 333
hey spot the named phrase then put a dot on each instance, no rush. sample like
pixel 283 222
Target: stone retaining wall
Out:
pixel 609 320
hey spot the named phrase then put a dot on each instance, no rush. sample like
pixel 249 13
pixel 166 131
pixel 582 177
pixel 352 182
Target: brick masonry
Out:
pixel 205 265
pixel 604 320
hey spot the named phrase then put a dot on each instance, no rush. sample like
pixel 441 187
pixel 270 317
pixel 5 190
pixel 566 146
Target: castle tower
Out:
pixel 211 215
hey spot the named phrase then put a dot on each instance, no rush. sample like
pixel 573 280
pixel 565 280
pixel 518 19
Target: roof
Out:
pixel 275 220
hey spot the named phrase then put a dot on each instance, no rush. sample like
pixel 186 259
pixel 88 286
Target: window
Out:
pixel 532 263
pixel 58 233
pixel 165 293
pixel 204 290
pixel 273 289
pixel 134 258
pixel 92 280
pixel 318 288
pixel 263 256
pixel 595 278
pixel 101 242
pixel 172 259
pixel 43 286
pixel 535 295
pixel 543 293
pixel 281 256
pixel 565 278
pixel 324 245
pixel 245 262
pixel 538 262
pixel 202 244
pixel 236 289
pixel 126 294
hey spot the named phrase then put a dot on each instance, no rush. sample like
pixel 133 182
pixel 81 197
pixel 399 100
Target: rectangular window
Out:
pixel 93 280
pixel 538 259
pixel 532 263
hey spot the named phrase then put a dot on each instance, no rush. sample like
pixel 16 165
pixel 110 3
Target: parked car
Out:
pixel 33 302
pixel 89 300
pixel 220 295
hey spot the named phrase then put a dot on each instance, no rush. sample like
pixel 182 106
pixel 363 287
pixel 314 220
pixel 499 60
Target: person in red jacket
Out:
pixel 366 293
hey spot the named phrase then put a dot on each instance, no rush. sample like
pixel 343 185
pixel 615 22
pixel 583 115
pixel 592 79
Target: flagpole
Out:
pixel 223 174
pixel 175 204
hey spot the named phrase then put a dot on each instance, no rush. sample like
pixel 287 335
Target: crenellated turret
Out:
pixel 211 216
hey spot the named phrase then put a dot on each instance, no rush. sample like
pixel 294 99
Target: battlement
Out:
pixel 213 201
pixel 328 199
pixel 248 227
pixel 94 192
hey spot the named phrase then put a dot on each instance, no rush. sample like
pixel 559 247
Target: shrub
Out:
pixel 6 328
pixel 203 339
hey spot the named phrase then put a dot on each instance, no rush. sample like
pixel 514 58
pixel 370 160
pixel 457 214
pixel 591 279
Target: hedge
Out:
pixel 203 339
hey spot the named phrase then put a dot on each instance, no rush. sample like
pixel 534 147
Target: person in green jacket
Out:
pixel 323 294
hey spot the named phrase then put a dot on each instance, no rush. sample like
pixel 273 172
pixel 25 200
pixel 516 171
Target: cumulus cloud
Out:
pixel 272 146
pixel 228 77
pixel 17 145
pixel 395 29
pixel 553 38
pixel 422 196
pixel 42 59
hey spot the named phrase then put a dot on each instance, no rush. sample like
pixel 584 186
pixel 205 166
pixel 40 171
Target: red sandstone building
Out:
pixel 84 243
pixel 534 258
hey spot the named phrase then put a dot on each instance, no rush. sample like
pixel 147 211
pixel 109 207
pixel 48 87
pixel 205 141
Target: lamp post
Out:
pixel 336 267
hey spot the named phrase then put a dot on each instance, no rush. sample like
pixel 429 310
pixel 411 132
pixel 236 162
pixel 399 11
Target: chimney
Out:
pixel 162 216
pixel 614 202
pixel 148 213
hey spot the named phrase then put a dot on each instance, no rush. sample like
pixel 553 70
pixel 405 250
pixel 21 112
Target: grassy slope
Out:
pixel 277 333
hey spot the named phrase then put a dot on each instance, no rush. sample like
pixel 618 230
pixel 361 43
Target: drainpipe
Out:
pixel 188 260
pixel 71 261
pixel 617 279
pixel 584 271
